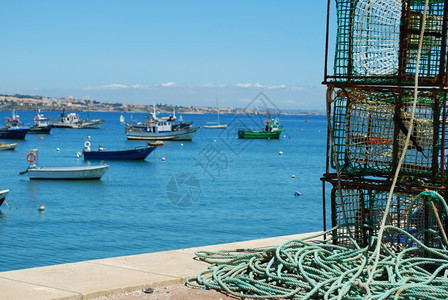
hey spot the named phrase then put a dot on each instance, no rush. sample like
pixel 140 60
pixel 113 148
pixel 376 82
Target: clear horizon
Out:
pixel 196 53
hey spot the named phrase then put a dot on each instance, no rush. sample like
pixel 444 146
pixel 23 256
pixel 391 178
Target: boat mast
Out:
pixel 217 107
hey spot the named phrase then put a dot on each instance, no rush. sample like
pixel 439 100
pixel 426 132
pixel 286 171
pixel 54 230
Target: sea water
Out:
pixel 214 189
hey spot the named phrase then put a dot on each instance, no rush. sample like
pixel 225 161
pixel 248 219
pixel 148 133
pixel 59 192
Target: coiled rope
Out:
pixel 308 270
pixel 305 269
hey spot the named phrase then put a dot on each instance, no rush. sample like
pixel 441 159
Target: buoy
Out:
pixel 41 138
pixel 214 141
pixel 293 176
pixel 163 158
pixel 280 153
pixel 57 149
pixel 182 145
pixel 41 207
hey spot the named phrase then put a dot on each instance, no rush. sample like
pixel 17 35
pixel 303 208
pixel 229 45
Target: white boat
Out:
pixel 164 128
pixel 214 125
pixel 41 125
pixel 3 194
pixel 73 121
pixel 72 173
pixel 217 126
pixel 122 119
pixel 4 146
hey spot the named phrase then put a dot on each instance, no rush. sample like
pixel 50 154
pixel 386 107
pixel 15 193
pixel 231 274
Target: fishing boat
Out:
pixel 164 128
pixel 3 194
pixel 138 153
pixel 41 125
pixel 271 130
pixel 216 125
pixel 4 146
pixel 67 173
pixel 14 129
pixel 63 173
pixel 73 121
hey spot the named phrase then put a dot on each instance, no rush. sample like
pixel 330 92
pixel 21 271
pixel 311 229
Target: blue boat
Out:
pixel 138 153
pixel 13 134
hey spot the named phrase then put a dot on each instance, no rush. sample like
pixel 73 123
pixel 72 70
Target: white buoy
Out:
pixel 280 153
pixel 41 207
pixel 57 149
pixel 182 145
pixel 293 176
pixel 163 158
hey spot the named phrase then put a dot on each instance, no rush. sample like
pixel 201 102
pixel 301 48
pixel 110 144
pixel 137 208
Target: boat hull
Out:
pixel 178 135
pixel 134 154
pixel 13 134
pixel 68 173
pixel 41 130
pixel 224 126
pixel 247 134
pixel 3 194
pixel 4 147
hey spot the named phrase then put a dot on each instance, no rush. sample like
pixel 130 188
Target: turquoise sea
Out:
pixel 215 189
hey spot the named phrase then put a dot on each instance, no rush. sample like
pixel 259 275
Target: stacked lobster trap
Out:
pixel 370 97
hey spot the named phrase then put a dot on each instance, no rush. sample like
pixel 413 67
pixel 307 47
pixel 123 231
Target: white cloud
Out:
pixel 168 84
pixel 260 86
pixel 139 86
pixel 113 86
pixel 280 86
pixel 244 85
pixel 207 85
pixel 297 88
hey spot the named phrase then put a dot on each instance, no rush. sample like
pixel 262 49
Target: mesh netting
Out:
pixel 369 124
pixel 377 41
pixel 358 213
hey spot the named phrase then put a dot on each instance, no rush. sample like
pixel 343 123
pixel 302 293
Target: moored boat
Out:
pixel 216 125
pixel 138 153
pixel 272 130
pixel 3 194
pixel 4 146
pixel 73 121
pixel 14 129
pixel 63 173
pixel 156 143
pixel 164 128
pixel 41 125
pixel 67 173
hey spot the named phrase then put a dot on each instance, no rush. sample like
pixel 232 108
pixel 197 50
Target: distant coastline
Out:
pixel 33 103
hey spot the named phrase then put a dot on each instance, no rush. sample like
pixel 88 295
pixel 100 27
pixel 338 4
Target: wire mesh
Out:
pixel 370 125
pixel 377 41
pixel 357 211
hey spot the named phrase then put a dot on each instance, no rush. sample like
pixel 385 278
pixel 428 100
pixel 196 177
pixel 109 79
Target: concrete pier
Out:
pixel 88 279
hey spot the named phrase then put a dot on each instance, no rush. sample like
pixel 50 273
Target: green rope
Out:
pixel 305 269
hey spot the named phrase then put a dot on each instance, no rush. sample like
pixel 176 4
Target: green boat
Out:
pixel 272 130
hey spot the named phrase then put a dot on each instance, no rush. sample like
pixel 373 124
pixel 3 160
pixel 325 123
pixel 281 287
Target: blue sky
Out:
pixel 174 52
